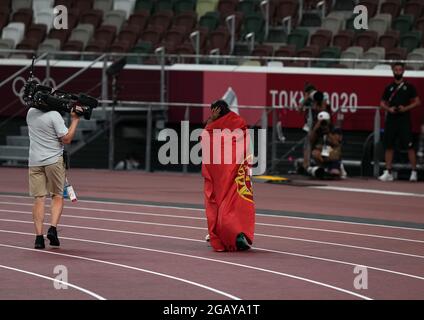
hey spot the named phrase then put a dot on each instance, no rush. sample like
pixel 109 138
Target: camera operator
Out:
pixel 398 99
pixel 326 142
pixel 48 134
pixel 313 102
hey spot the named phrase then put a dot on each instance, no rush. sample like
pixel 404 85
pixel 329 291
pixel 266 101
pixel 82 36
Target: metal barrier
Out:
pixel 262 122
pixel 200 58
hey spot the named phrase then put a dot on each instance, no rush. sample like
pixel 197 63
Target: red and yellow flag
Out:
pixel 226 167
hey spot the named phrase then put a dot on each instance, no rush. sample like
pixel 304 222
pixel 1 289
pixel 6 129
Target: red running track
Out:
pixel 309 242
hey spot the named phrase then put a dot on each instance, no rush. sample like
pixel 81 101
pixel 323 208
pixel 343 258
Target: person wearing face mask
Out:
pixel 398 99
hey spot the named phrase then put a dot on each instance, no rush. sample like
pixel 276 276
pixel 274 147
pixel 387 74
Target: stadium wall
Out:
pixel 349 89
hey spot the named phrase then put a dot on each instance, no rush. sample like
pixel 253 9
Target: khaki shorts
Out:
pixel 47 180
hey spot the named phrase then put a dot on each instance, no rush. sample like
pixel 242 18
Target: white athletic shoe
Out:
pixel 207 238
pixel 413 176
pixel 386 176
pixel 343 172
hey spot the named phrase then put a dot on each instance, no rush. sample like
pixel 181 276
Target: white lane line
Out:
pixel 202 219
pixel 95 295
pixel 372 191
pixel 114 211
pixel 213 260
pixel 258 214
pixel 123 266
pixel 119 203
pixel 196 240
pixel 256 234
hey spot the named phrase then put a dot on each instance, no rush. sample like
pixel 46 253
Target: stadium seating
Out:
pixel 103 5
pixel 352 53
pixel 396 28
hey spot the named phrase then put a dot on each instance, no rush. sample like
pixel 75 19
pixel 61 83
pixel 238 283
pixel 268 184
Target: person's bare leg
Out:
pixel 38 214
pixel 56 209
pixel 306 154
pixel 412 158
pixel 316 155
pixel 388 157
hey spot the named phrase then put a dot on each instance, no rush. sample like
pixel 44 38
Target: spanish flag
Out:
pixel 226 168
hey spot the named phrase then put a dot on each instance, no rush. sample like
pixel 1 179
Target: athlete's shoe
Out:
pixel 386 176
pixel 39 242
pixel 241 242
pixel 413 176
pixel 52 236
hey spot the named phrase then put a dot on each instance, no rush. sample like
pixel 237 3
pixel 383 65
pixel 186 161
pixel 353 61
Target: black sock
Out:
pixel 40 237
pixel 52 228
pixel 389 171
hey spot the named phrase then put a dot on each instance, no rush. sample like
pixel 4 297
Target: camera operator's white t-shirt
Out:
pixel 45 129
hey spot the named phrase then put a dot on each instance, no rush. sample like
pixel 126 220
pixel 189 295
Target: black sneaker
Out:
pixel 241 242
pixel 39 242
pixel 52 236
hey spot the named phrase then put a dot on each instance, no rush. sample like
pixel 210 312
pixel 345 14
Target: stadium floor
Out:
pixel 137 235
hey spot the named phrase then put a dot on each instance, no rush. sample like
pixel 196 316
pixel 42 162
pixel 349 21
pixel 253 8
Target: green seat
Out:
pixel 276 35
pixel 181 6
pixel 142 47
pixel 210 20
pixel 403 23
pixel 163 5
pixel 254 23
pixel 146 5
pixel 247 7
pixel 299 38
pixel 411 40
pixel 328 53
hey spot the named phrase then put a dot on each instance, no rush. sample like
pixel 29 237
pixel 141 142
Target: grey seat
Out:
pixel 104 5
pixel 352 53
pixel 45 16
pixel 6 44
pixel 334 24
pixel 114 18
pixel 49 45
pixel 83 32
pixel 380 23
pixel 124 5
pixel 374 53
pixel 21 4
pixel 417 55
pixel 39 5
pixel 14 31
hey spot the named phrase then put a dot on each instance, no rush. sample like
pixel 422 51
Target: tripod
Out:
pixel 113 70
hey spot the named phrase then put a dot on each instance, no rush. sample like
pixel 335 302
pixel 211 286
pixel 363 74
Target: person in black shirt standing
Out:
pixel 398 99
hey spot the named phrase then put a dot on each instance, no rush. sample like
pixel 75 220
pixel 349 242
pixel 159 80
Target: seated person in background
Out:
pixel 326 142
pixel 130 163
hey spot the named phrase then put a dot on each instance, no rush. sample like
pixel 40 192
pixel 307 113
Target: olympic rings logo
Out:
pixel 18 85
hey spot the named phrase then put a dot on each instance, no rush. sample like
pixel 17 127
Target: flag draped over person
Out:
pixel 226 168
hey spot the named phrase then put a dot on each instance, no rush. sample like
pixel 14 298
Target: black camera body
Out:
pixel 46 99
